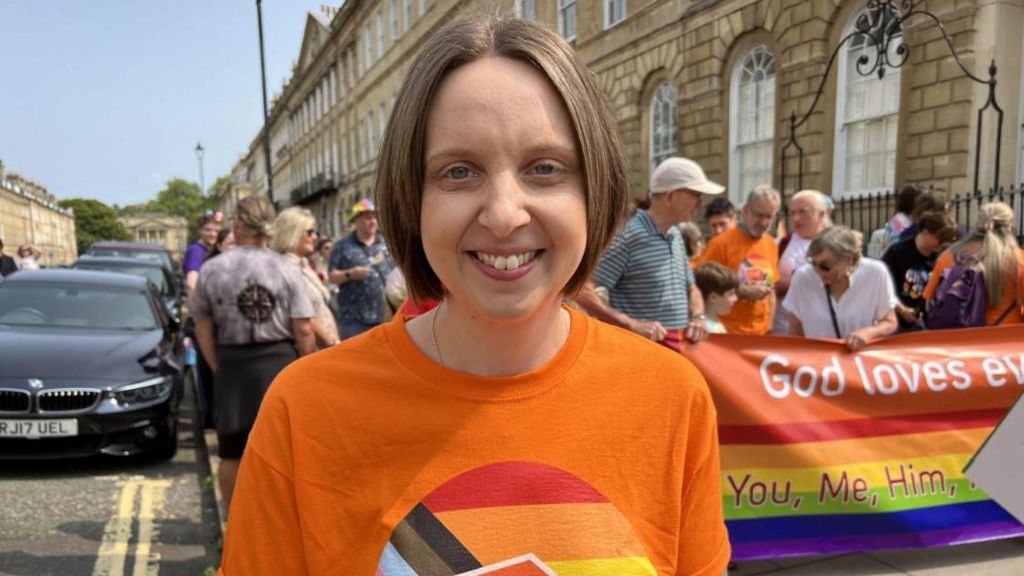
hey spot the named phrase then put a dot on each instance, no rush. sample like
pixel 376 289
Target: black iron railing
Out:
pixel 869 212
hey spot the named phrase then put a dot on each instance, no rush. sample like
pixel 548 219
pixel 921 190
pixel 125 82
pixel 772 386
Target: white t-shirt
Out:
pixel 794 257
pixel 868 299
pixel 27 263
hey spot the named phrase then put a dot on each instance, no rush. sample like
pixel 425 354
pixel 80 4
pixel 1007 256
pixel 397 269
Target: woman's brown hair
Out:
pixel 400 165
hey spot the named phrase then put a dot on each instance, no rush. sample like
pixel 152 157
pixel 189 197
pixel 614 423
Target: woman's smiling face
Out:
pixel 503 216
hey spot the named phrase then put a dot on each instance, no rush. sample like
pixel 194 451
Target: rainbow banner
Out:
pixel 827 451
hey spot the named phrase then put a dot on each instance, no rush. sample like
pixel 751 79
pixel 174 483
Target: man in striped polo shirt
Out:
pixel 646 268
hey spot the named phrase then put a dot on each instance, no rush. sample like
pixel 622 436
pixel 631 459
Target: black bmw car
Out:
pixel 90 363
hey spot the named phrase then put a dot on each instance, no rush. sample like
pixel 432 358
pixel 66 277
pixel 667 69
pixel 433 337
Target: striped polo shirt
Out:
pixel 647 273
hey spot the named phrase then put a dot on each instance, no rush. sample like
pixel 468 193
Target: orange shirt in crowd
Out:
pixel 371 458
pixel 994 311
pixel 756 262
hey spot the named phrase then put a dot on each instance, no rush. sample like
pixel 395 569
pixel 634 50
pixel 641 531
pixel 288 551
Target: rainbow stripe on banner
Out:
pixel 825 451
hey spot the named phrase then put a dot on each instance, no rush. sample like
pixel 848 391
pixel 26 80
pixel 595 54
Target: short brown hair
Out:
pixel 400 165
pixel 928 201
pixel 713 278
pixel 907 197
pixel 843 241
pixel 938 224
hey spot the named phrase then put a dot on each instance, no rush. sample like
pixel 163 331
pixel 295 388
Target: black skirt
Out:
pixel 244 374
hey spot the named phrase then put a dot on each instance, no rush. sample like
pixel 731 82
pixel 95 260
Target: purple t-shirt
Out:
pixel 194 256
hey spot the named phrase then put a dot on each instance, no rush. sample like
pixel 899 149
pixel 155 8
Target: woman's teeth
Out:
pixel 510 262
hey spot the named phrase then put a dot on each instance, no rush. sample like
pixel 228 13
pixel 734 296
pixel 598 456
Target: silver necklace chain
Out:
pixel 433 332
pixel 437 345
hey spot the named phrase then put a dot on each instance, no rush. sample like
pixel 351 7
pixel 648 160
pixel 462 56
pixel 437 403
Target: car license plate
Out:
pixel 38 428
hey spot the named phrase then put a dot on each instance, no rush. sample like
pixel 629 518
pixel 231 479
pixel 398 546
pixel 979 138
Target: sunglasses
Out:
pixel 826 268
pixel 311 232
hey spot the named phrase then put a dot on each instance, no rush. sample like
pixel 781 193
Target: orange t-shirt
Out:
pixel 993 311
pixel 370 458
pixel 756 262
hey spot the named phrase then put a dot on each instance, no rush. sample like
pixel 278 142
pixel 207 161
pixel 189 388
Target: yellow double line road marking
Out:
pixel 112 558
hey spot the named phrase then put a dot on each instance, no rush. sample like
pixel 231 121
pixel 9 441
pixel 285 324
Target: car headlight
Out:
pixel 141 392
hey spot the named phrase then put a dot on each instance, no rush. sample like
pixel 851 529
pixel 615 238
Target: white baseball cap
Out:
pixel 678 173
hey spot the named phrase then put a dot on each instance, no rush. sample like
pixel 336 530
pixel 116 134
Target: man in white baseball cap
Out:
pixel 654 300
pixel 682 174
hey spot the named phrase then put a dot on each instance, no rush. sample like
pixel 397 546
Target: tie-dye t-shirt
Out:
pixel 369 458
pixel 252 294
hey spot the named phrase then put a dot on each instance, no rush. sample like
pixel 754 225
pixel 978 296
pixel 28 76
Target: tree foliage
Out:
pixel 181 198
pixel 94 222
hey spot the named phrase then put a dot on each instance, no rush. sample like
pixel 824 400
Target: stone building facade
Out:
pixel 238 186
pixel 159 228
pixel 713 80
pixel 29 214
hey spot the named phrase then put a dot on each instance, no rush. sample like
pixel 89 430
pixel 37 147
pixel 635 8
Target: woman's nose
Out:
pixel 504 209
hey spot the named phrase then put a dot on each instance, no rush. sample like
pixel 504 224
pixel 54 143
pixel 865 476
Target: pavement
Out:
pixel 211 447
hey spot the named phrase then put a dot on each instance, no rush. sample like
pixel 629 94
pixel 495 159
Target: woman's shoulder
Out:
pixel 356 362
pixel 873 265
pixel 874 269
pixel 611 350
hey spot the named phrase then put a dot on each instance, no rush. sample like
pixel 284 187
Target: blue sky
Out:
pixel 106 99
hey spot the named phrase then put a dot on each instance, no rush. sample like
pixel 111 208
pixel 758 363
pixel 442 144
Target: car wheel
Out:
pixel 167 445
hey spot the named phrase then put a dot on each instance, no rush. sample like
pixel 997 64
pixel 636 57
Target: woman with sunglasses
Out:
pixel 294 235
pixel 501 432
pixel 841 294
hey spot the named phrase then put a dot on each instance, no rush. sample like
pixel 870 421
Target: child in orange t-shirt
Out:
pixel 500 432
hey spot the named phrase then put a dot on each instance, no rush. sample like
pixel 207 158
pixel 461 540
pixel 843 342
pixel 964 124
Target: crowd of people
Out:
pixel 812 281
pixel 266 290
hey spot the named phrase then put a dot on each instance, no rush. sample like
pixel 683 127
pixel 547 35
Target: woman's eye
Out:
pixel 546 169
pixel 458 172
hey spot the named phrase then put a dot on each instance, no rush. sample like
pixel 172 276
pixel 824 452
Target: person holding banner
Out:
pixel 841 294
pixel 751 251
pixel 910 264
pixel 646 269
pixel 993 243
pixel 808 216
pixel 501 432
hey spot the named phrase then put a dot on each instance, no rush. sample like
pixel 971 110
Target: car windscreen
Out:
pixel 62 306
pixel 155 275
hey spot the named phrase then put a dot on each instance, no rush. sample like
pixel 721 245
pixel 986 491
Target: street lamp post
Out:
pixel 199 157
pixel 266 113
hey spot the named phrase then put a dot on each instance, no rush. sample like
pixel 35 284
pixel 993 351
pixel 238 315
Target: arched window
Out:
pixel 752 123
pixel 867 111
pixel 663 123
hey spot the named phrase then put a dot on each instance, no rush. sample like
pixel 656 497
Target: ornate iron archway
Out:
pixel 882 23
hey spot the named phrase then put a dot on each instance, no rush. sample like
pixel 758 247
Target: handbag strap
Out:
pixel 832 311
pixel 1005 313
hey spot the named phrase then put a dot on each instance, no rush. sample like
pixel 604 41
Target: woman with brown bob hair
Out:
pixel 501 429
